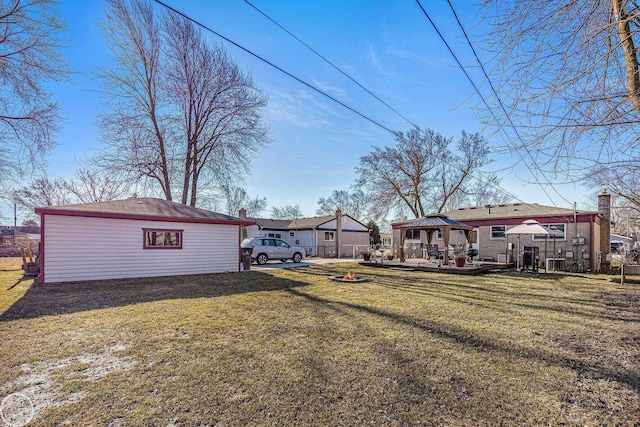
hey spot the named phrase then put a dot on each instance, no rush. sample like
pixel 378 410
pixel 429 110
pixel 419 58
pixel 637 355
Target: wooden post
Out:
pixel 622 274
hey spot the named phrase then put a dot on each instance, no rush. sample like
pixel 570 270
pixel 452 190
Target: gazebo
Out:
pixel 431 223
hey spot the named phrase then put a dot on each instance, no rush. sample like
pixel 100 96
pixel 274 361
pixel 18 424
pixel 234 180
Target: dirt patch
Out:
pixel 53 383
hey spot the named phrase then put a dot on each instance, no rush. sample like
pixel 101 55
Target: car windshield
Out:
pixel 245 243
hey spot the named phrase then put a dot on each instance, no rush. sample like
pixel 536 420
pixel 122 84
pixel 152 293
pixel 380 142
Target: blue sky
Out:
pixel 388 46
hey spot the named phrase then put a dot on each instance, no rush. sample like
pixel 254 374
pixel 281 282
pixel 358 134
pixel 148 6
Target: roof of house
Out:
pixel 295 224
pixel 277 224
pixel 311 222
pixel 514 212
pixel 142 208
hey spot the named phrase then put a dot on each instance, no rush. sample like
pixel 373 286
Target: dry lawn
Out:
pixel 289 347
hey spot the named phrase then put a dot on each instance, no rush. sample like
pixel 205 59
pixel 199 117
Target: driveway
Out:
pixel 305 262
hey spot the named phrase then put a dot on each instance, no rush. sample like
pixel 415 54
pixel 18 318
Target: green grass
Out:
pixel 290 347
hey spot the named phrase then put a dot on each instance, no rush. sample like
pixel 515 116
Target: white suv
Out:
pixel 266 248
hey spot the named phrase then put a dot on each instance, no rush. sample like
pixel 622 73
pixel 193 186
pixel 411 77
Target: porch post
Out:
pixel 446 231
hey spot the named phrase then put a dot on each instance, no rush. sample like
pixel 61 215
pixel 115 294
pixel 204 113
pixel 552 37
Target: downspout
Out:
pixel 592 253
pixel 240 239
pixel 42 252
pixel 338 231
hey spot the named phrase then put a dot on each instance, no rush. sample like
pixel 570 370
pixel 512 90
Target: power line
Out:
pixel 331 64
pixel 503 108
pixel 435 27
pixel 310 86
pixel 255 55
pixel 358 84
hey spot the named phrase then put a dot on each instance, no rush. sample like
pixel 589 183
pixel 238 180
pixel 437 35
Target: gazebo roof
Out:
pixel 435 221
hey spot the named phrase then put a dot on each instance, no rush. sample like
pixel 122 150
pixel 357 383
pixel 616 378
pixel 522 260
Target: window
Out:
pixel 497 232
pixel 559 228
pixel 276 235
pixel 328 236
pixel 162 239
pixel 281 243
pixel 413 235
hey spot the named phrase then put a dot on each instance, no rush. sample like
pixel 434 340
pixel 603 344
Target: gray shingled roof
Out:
pixel 296 224
pixel 435 220
pixel 275 224
pixel 513 210
pixel 311 222
pixel 147 207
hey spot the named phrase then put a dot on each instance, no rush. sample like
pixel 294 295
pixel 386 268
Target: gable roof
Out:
pixel 298 223
pixel 312 222
pixel 143 208
pixel 276 224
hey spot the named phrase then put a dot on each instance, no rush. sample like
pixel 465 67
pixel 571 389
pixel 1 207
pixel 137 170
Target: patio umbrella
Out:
pixel 531 226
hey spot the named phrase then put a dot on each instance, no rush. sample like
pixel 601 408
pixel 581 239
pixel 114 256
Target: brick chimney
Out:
pixel 604 209
pixel 242 214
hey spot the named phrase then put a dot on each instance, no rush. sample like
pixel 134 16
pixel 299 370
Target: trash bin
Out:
pixel 246 258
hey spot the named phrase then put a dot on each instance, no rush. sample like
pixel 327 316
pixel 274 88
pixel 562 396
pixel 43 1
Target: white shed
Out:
pixel 137 237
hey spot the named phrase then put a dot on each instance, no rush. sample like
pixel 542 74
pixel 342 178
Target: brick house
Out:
pixel 578 247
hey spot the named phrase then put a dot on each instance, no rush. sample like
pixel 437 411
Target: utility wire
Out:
pixel 310 86
pixel 361 86
pixel 331 64
pixel 255 55
pixel 484 101
pixel 502 107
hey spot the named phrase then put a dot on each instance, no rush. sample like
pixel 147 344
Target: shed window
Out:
pixel 497 232
pixel 162 239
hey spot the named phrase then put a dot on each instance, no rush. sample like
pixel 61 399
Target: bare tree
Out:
pixel 181 113
pixel 29 57
pixel 91 186
pixel 567 77
pixel 621 179
pixel 486 190
pixel 237 198
pixel 286 212
pixel 354 203
pixel 218 121
pixel 135 128
pixel 420 173
pixel 42 192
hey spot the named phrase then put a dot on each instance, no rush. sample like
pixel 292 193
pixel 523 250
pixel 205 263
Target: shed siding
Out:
pixel 81 248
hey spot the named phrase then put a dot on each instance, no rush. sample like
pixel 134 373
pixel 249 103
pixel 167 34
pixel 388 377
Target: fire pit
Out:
pixel 348 278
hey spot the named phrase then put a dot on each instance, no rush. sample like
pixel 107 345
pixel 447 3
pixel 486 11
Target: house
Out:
pixel 24 235
pixel 325 236
pixel 578 245
pixel 136 237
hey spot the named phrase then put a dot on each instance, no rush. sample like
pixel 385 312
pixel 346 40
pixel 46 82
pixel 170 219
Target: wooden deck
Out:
pixel 479 267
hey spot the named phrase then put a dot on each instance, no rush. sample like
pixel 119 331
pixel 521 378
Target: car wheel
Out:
pixel 297 257
pixel 262 259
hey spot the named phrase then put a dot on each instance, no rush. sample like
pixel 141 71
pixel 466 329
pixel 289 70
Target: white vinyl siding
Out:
pixel 80 248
